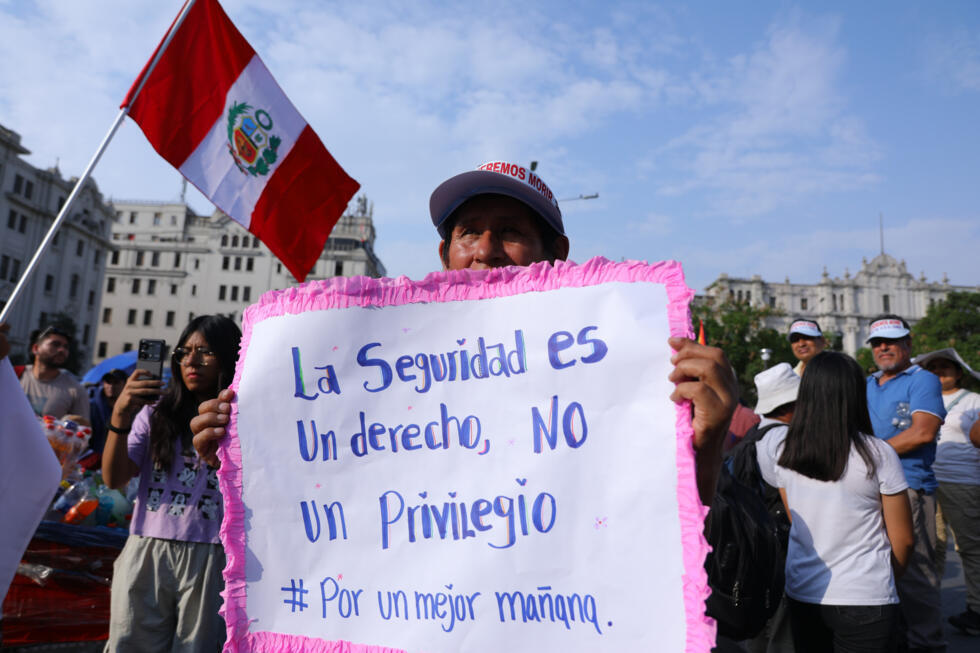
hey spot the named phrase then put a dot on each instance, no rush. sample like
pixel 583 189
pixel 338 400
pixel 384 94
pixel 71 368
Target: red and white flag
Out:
pixel 212 109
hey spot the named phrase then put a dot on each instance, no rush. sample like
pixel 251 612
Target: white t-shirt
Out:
pixel 957 460
pixel 839 553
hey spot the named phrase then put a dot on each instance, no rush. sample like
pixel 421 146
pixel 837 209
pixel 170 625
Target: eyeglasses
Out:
pixel 183 354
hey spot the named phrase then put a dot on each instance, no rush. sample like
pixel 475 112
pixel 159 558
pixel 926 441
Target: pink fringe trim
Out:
pixel 458 285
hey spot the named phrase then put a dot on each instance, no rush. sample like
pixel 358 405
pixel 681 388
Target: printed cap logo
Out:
pixel 250 141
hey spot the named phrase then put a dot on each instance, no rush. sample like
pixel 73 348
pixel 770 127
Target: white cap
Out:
pixel 890 328
pixel 776 386
pixel 806 328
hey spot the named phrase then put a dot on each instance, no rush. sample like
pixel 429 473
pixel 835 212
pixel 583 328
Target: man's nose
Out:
pixel 488 246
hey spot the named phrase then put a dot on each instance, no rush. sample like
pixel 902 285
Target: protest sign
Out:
pixel 479 461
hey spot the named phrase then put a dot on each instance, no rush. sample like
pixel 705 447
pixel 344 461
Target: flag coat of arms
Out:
pixel 210 107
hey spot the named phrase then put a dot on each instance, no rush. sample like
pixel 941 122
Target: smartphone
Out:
pixel 151 357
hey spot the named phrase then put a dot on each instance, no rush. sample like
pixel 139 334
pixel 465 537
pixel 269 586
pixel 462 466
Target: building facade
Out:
pixel 842 305
pixel 69 276
pixel 170 265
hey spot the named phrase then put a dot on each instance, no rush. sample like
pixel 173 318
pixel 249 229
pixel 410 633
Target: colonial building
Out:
pixel 68 278
pixel 842 305
pixel 170 265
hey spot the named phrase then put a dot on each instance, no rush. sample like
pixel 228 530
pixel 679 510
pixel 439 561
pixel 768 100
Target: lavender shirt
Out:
pixel 182 503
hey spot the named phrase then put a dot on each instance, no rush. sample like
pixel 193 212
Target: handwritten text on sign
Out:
pixel 468 475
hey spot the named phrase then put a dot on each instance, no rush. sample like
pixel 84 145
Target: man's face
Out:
pixel 891 355
pixel 52 351
pixel 493 231
pixel 806 347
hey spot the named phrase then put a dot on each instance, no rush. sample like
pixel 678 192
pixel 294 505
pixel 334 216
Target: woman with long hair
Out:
pixel 167 580
pixel 851 532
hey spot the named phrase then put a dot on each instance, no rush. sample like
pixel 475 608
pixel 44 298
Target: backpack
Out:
pixel 743 463
pixel 746 565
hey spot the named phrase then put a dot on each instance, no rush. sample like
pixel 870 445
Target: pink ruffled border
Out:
pixel 458 285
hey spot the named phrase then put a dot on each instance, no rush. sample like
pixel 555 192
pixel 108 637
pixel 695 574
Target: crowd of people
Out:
pixel 857 469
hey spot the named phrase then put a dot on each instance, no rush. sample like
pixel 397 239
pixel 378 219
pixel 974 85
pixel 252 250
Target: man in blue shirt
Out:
pixel 906 407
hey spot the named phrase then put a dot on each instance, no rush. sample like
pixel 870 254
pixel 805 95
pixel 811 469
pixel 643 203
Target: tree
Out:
pixel 866 360
pixel 739 330
pixel 953 322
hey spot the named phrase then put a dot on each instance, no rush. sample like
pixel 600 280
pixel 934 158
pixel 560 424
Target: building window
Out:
pixel 339 271
pixel 79 248
pixel 54 241
pixel 278 268
pixel 247 294
pixel 86 331
pixel 176 259
pixel 197 263
pixel 234 293
pixel 12 219
pixel 73 287
pixel 18 184
pixel 147 317
pixel 173 289
pixel 738 295
pixel 835 301
pixel 224 262
pixel 115 257
pixel 151 287
pixel 173 220
pixel 22 225
pixel 748 295
pixel 224 240
pixel 772 302
pixel 91 298
pixel 234 241
pixel 194 290
pixel 249 263
pixel 4 264
pixel 170 318
pixel 136 286
pixel 15 269
pixel 155 259
pixel 156 219
pixel 102 349
pixel 130 318
pixel 96 257
pixel 132 220
pixel 106 316
pixel 29 189
pixel 221 293
pixel 127 346
pixel 190 316
pixel 803 303
pixel 886 303
pixel 139 257
pixel 238 262
pixel 48 283
pixel 110 284
pixel 255 242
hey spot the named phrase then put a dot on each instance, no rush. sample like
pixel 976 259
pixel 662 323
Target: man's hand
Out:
pixel 704 376
pixel 209 426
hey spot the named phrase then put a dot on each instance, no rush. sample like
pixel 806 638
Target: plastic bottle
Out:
pixel 73 495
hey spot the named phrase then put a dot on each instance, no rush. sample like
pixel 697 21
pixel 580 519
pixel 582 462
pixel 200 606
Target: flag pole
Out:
pixel 66 207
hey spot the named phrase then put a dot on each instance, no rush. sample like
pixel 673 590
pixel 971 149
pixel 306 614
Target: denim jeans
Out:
pixel 844 628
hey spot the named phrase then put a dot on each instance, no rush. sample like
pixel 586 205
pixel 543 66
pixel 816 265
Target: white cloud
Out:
pixel 781 132
pixel 954 58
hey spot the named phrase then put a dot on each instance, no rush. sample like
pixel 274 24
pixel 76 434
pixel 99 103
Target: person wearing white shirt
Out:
pixel 957 469
pixel 851 528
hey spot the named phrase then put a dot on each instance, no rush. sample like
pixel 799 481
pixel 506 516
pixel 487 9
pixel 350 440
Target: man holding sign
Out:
pixel 502 214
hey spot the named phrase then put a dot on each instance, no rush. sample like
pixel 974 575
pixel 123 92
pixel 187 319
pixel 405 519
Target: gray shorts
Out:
pixel 165 597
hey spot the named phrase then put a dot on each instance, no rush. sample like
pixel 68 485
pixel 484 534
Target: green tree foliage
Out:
pixel 739 330
pixel 866 360
pixel 953 322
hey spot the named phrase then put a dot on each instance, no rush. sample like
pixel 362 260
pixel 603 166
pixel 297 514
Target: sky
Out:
pixel 742 138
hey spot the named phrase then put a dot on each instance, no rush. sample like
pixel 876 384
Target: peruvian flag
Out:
pixel 211 108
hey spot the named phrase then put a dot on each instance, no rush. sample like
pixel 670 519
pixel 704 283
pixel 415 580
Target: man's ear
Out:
pixel 561 248
pixel 442 259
